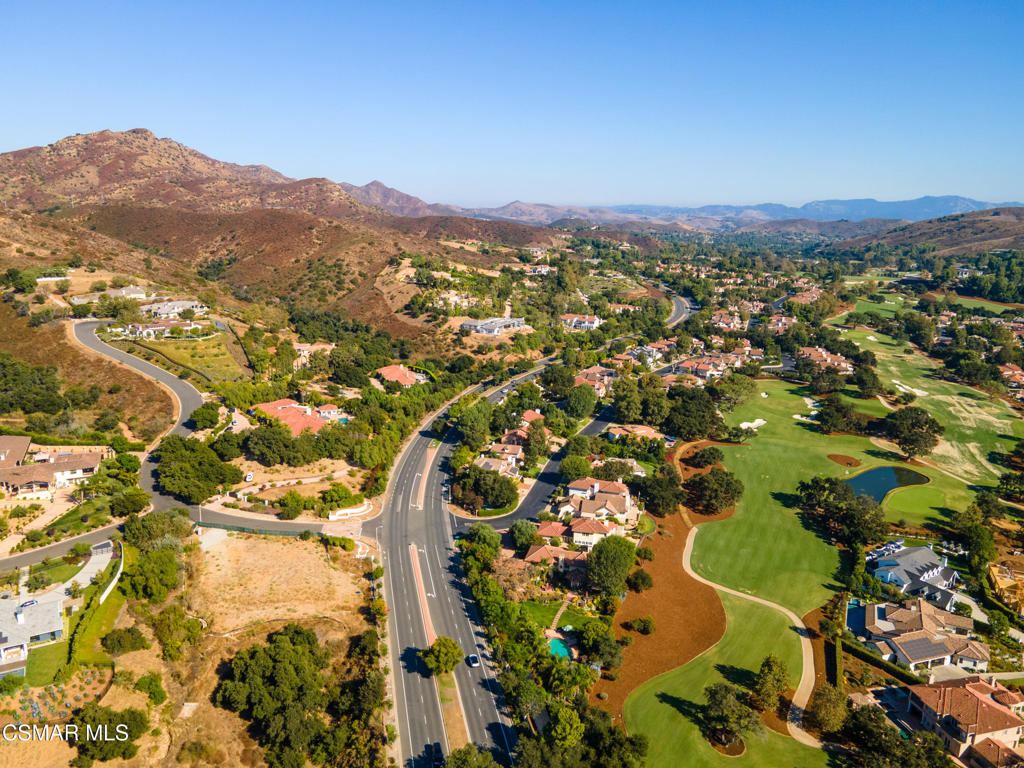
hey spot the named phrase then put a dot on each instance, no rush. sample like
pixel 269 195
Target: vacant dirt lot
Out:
pixel 245 579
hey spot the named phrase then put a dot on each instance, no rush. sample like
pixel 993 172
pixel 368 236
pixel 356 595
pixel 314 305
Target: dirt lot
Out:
pixel 245 579
pixel 337 467
pixel 689 615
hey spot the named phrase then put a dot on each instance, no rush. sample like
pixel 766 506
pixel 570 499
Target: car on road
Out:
pixel 436 755
pixel 473 660
pixel 27 603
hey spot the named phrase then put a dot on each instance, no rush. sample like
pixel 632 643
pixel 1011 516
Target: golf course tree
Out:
pixel 728 715
pixel 838 416
pixel 692 415
pixel 443 656
pixel 771 681
pixel 971 526
pixel 840 513
pixel 866 380
pixel 609 563
pixel 661 493
pixel 714 491
pixel 706 457
pixel 914 430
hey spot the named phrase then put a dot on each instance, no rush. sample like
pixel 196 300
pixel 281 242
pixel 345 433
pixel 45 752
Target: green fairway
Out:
pixel 664 707
pixel 977 425
pixel 991 306
pixel 764 548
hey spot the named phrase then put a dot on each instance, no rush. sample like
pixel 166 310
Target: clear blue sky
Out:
pixel 568 102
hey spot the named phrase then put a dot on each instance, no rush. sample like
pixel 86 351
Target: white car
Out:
pixel 473 660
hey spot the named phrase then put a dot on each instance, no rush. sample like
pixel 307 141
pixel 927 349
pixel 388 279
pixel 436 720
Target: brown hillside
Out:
pixel 832 229
pixel 960 233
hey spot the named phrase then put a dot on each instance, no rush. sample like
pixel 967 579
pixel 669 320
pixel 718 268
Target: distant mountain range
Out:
pixel 655 217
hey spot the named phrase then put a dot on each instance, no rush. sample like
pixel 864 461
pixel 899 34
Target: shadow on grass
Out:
pixel 691 710
pixel 744 678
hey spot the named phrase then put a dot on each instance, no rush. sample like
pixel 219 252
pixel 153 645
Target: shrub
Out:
pixel 119 641
pixel 150 685
pixel 644 625
pixel 639 580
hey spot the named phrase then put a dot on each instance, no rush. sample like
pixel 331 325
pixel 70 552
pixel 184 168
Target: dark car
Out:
pixel 436 755
pixel 27 603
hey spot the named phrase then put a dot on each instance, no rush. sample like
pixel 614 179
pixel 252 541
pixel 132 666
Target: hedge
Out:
pixel 900 673
pixel 835 670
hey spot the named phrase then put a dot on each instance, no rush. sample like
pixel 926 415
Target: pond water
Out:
pixel 560 648
pixel 877 482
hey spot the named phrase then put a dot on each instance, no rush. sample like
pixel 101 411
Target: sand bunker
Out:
pixel 753 424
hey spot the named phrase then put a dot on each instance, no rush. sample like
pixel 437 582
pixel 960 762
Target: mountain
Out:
pixel 394 201
pixel 821 229
pixel 823 210
pixel 960 233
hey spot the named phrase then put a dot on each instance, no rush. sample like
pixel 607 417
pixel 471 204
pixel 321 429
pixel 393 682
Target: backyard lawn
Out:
pixel 44 661
pixel 544 613
pixel 666 707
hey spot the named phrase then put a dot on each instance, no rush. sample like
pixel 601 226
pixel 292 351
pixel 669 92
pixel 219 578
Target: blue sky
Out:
pixel 480 103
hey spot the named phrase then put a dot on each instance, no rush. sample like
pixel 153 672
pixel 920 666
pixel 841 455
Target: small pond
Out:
pixel 877 482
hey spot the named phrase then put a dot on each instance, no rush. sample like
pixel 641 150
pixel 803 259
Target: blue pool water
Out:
pixel 560 648
pixel 856 616
pixel 877 482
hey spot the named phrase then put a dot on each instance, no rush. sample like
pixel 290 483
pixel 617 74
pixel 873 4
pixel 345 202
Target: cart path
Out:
pixel 806 685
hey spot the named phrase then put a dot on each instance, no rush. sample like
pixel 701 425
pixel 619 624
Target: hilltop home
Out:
pixel 1008 584
pixel 825 359
pixel 25 625
pixel 494 326
pixel 975 717
pixel 169 309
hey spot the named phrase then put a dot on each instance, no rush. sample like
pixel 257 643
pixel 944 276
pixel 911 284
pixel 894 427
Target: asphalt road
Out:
pixel 188 400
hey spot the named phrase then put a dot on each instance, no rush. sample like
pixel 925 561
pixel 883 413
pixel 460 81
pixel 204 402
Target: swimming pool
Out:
pixel 559 648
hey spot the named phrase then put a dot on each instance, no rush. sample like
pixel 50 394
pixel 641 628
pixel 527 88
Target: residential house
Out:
pixel 494 326
pixel 401 375
pixel 809 296
pixel 918 635
pixel 39 481
pixel 637 431
pixel 825 359
pixel 306 351
pixel 294 415
pixel 618 309
pixel 779 324
pixel 170 309
pixel 22 626
pixel 1012 374
pixel 13 449
pixel 135 292
pixel 596 377
pixel 332 412
pixel 1008 583
pixel 569 562
pixel 968 712
pixel 587 532
pixel 917 571
pixel 158 330
pixel 502 466
pixel 580 322
pixel 727 321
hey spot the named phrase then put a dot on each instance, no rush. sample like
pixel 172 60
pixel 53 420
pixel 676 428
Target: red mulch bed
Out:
pixel 844 461
pixel 688 616
pixel 735 749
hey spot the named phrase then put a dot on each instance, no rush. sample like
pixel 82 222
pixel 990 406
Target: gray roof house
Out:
pixel 918 571
pixel 22 626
